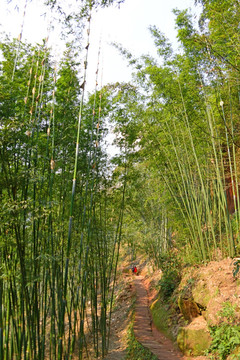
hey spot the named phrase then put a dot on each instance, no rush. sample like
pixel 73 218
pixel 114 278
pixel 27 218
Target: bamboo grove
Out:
pixel 61 214
pixel 180 123
pixel 177 129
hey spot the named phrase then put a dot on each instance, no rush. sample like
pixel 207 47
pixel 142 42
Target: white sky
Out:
pixel 127 25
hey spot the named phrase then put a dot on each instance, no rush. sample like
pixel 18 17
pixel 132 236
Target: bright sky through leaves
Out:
pixel 127 25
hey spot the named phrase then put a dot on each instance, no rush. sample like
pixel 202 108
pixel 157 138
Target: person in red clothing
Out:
pixel 134 270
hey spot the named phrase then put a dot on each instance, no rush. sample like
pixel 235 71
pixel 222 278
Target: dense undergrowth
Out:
pixel 225 336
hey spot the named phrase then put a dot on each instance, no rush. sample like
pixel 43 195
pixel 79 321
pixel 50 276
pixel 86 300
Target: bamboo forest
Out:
pixel 75 219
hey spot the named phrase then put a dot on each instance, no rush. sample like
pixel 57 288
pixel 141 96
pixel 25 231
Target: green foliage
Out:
pixel 225 340
pixel 168 283
pixel 170 266
pixel 42 278
pixel 183 145
pixel 226 336
pixel 228 312
pixel 236 267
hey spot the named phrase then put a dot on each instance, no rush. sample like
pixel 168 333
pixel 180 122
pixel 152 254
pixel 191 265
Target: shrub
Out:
pixel 168 283
pixel 226 336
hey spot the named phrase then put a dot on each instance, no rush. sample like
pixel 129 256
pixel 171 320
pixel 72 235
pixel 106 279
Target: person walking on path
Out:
pixel 134 270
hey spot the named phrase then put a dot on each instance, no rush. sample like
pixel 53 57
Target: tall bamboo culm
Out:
pixel 56 287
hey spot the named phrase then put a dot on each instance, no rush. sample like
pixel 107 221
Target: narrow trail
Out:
pixel 156 342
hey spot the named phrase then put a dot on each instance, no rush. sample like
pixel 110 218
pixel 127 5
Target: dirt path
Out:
pixel 147 334
pixel 158 344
